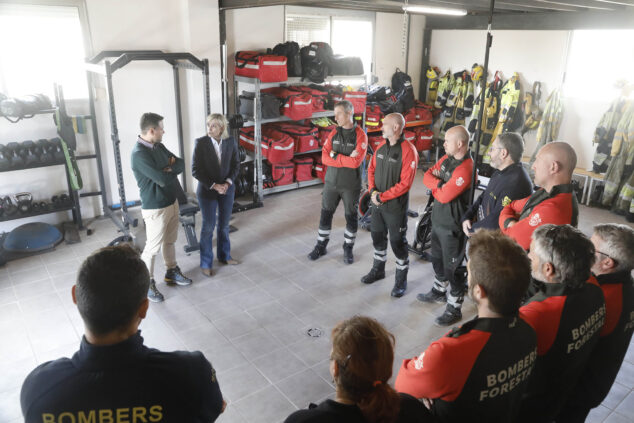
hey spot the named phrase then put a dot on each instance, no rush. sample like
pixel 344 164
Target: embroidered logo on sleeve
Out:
pixel 364 145
pixel 459 181
pixel 413 165
pixel 506 201
pixel 535 220
pixel 418 363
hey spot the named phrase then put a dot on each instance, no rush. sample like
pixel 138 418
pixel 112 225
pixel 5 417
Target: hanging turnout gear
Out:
pixel 548 128
pixel 489 118
pixel 509 99
pixel 604 134
pixel 445 85
pixel 622 155
pixel 432 84
pixel 532 112
pixel 459 104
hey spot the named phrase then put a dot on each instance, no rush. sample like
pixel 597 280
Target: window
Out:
pixel 347 35
pixel 41 45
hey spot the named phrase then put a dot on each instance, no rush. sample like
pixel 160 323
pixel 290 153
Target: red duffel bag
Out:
pixel 319 169
pixel 324 132
pixel 375 141
pixel 246 139
pixel 281 147
pixel 423 112
pixel 357 98
pixel 305 137
pixel 295 105
pixel 303 168
pixel 265 67
pixel 373 117
pixel 319 98
pixel 410 136
pixel 282 173
pixel 424 139
pixel 411 115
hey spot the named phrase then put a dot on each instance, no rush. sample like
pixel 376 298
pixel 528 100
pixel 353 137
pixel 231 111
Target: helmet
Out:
pixel 476 72
pixel 432 73
pixel 364 203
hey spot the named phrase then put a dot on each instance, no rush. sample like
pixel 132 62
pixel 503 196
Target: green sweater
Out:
pixel 158 188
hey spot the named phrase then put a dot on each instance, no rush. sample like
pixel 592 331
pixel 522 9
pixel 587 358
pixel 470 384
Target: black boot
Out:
pixel 376 273
pixel 450 316
pixel 319 250
pixel 348 258
pixel 400 283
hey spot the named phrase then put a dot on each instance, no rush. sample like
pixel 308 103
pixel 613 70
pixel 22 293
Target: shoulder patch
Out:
pixel 535 220
pixel 460 181
pixel 506 201
pixel 413 165
pixel 364 145
pixel 418 363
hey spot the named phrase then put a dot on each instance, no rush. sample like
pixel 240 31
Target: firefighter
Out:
pixel 449 181
pixel 554 202
pixel 343 152
pixel 390 176
pixel 509 182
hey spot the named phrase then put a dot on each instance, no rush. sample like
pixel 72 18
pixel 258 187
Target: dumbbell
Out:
pixel 15 159
pixel 56 149
pixel 5 164
pixel 242 153
pixel 25 202
pixel 28 152
pixel 43 149
pixel 9 208
pixel 35 207
pixel 44 206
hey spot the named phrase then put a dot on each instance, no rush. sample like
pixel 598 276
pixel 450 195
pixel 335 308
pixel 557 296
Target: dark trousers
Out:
pixel 447 252
pixel 394 225
pixel 329 201
pixel 222 206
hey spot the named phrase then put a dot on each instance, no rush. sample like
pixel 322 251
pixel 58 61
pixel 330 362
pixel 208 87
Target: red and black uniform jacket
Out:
pixel 450 190
pixel 568 323
pixel 559 207
pixel 391 172
pixel 344 172
pixel 614 339
pixel 475 373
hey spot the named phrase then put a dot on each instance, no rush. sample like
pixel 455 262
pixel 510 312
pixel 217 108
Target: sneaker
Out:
pixel 317 252
pixel 373 275
pixel 174 275
pixel 154 294
pixel 348 258
pixel 432 296
pixel 450 316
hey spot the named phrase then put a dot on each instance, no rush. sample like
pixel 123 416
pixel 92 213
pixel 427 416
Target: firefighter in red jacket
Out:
pixel 554 202
pixel 567 313
pixel 614 254
pixel 478 372
pixel 390 176
pixel 343 152
pixel 449 181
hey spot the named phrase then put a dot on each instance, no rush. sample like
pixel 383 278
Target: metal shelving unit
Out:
pixel 256 121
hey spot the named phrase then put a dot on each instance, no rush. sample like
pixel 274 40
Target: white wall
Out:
pixel 388 42
pixel 536 56
pixel 417 26
pixel 168 25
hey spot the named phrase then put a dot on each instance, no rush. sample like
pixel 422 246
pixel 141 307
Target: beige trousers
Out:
pixel 161 229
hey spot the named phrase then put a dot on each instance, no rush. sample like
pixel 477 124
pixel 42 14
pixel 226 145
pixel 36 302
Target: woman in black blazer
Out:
pixel 215 165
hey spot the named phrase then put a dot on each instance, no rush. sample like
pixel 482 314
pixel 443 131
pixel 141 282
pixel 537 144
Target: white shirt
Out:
pixel 216 145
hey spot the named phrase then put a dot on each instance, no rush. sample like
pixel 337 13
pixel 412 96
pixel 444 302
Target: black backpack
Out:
pixel 313 68
pixel 323 52
pixel 290 49
pixel 401 81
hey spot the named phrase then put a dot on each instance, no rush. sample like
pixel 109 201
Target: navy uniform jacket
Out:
pixel 511 183
pixel 123 382
pixel 207 170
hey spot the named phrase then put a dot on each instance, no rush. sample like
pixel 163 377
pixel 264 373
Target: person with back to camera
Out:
pixel 215 165
pixel 361 365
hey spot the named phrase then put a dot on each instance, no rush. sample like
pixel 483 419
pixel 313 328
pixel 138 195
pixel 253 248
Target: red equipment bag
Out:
pixel 303 168
pixel 373 117
pixel 424 139
pixel 375 141
pixel 423 112
pixel 282 173
pixel 411 115
pixel 410 136
pixel 357 98
pixel 265 67
pixel 246 139
pixel 319 169
pixel 281 146
pixel 319 98
pixel 295 105
pixel 305 137
pixel 324 132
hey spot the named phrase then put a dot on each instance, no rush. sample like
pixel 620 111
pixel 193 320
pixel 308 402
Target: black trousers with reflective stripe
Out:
pixel 392 224
pixel 447 252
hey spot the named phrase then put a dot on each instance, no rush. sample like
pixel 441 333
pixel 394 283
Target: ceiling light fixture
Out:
pixel 435 10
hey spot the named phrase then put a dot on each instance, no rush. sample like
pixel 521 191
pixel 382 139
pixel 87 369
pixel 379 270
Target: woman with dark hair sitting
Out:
pixel 360 365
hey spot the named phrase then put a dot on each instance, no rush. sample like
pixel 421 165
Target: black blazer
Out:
pixel 205 167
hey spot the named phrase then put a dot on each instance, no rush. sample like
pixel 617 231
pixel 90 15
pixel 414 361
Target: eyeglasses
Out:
pixel 607 255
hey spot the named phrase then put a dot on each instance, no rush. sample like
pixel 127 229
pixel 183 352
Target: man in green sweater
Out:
pixel 155 169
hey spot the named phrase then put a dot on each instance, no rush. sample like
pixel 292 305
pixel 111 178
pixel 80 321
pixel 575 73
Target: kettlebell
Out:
pixel 9 208
pixel 25 202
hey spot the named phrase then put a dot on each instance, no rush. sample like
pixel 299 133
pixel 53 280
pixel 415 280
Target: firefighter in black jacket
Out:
pixel 614 254
pixel 449 181
pixel 343 152
pixel 390 176
pixel 509 182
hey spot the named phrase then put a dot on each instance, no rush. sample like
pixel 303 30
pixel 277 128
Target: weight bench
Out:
pixel 187 218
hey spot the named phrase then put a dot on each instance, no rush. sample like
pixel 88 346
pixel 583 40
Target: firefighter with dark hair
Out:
pixel 449 181
pixel 614 254
pixel 343 152
pixel 390 176
pixel 567 313
pixel 478 372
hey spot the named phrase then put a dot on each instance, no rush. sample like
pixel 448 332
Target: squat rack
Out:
pixel 123 58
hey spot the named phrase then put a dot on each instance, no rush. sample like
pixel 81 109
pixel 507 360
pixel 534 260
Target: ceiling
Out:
pixel 474 7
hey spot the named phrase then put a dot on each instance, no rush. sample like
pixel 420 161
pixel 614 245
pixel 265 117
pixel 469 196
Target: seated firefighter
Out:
pixel 479 371
pixel 113 376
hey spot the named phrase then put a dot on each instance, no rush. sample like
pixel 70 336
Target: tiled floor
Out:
pixel 249 320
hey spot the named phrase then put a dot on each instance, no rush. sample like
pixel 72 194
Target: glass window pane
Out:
pixel 305 29
pixel 353 37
